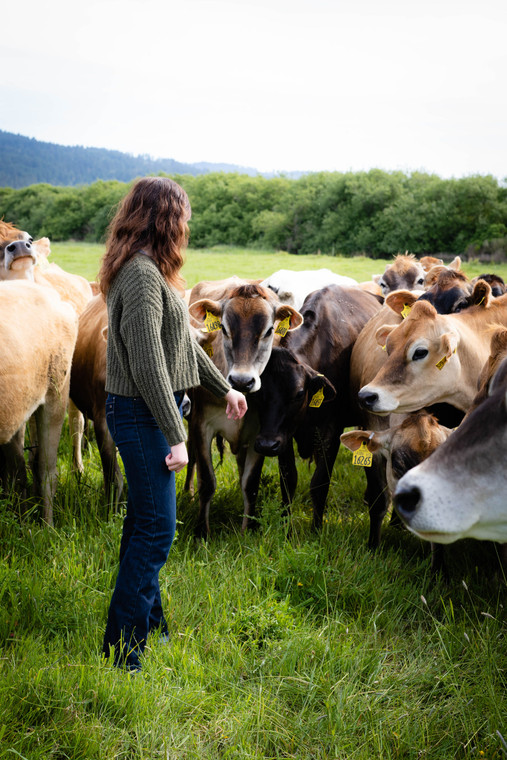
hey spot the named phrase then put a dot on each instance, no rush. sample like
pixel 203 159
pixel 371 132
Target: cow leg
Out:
pixel 49 419
pixel 190 473
pixel 12 464
pixel 206 480
pixel 288 475
pixel 326 452
pixel 76 429
pixel 250 468
pixel 113 478
pixel 376 497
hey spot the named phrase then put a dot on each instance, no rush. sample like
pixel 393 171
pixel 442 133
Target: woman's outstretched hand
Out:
pixel 236 405
pixel 177 459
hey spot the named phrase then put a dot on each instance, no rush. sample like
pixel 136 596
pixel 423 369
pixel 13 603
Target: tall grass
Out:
pixel 283 643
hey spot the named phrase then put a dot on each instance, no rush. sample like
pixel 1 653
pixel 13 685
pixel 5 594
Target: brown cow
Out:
pixel 405 272
pixel 244 320
pixel 434 358
pixel 37 337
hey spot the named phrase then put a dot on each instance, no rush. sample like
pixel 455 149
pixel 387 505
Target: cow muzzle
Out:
pixel 406 502
pixel 246 383
pixel 18 250
pixel 268 447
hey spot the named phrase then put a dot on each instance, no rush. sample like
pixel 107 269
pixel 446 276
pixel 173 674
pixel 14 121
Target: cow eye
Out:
pixel 269 332
pixel 420 281
pixel 420 353
pixel 224 332
pixel 30 239
pixel 461 305
pixel 299 395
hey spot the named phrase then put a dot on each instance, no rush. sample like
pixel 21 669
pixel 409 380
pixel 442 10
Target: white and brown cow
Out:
pixel 37 336
pixel 293 287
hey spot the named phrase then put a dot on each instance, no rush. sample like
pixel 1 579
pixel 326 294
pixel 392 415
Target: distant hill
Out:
pixel 26 161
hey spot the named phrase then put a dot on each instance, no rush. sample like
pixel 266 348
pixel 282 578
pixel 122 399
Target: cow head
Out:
pixel 248 318
pixel 403 446
pixel 291 391
pixel 404 272
pixel 18 254
pixel 421 367
pixel 459 491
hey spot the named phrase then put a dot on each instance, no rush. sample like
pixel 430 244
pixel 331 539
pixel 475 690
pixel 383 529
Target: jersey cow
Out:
pixel 243 321
pixel 459 491
pixel 433 358
pixel 37 337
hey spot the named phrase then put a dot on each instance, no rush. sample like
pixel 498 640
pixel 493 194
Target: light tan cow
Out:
pixel 434 358
pixel 37 337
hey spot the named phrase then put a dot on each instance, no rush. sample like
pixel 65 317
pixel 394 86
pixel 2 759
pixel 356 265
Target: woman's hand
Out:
pixel 177 459
pixel 236 405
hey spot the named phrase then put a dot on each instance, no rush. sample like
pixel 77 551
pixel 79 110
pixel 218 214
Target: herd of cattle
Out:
pixel 414 359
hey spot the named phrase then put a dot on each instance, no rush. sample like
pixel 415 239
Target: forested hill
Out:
pixel 25 161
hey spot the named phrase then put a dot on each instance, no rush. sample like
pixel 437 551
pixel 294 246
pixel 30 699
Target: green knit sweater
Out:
pixel 150 349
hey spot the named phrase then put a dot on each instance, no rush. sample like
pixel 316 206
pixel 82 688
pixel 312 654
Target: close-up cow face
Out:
pixel 290 390
pixel 17 255
pixel 404 272
pixel 248 320
pixel 459 491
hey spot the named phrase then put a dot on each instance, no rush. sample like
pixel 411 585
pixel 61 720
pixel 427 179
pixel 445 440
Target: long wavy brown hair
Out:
pixel 153 214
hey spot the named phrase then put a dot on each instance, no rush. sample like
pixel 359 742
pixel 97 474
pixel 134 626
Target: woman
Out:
pixel 151 360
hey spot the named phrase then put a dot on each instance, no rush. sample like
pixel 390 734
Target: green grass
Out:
pixel 284 644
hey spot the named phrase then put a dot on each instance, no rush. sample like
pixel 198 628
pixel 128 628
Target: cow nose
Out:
pixel 406 501
pixel 367 399
pixel 270 447
pixel 243 383
pixel 23 244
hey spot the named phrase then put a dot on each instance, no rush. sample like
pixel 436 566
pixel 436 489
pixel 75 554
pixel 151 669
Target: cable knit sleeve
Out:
pixel 210 377
pixel 140 331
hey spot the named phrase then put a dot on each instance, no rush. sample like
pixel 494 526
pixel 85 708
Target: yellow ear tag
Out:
pixel 283 327
pixel 384 347
pixel 406 310
pixel 317 398
pixel 362 457
pixel 442 361
pixel 209 349
pixel 212 323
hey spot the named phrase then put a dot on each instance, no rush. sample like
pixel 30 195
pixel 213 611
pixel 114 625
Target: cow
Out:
pixel 498 287
pixel 459 491
pixel 332 319
pixel 37 336
pixel 18 253
pixel 433 358
pixel 293 287
pixel 405 272
pixel 243 321
pixel 403 446
pixel 87 390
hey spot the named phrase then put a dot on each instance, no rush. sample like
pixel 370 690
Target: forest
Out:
pixel 375 213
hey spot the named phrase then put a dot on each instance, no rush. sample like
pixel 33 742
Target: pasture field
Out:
pixel 284 644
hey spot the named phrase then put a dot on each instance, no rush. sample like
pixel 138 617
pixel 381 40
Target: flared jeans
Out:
pixel 148 529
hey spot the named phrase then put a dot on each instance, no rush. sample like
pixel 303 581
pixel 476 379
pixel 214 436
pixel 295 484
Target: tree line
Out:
pixel 375 213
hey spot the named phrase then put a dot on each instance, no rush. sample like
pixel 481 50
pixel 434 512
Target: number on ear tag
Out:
pixel 362 457
pixel 440 364
pixel 317 398
pixel 406 310
pixel 212 323
pixel 283 327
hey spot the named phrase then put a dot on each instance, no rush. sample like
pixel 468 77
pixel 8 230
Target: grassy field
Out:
pixel 284 644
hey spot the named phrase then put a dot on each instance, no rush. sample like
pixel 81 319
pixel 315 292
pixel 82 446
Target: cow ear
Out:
pixel 355 438
pixel 198 309
pixel 42 247
pixel 448 344
pixel 427 262
pixel 455 264
pixel 399 300
pixel 318 385
pixel 382 334
pixel 481 294
pixel 289 312
pixel 433 274
pixel 376 278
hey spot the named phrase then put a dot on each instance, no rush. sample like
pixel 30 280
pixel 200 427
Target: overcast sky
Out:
pixel 279 85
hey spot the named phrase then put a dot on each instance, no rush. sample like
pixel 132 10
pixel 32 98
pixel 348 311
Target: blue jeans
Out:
pixel 148 528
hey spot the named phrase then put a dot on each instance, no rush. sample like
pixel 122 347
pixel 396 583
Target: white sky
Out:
pixel 277 85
